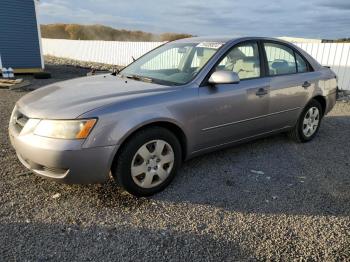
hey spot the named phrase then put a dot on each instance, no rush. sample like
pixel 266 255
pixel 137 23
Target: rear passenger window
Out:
pixel 243 59
pixel 302 65
pixel 280 59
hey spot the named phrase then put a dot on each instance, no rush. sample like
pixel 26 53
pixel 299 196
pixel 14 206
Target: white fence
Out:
pixel 107 52
pixel 335 55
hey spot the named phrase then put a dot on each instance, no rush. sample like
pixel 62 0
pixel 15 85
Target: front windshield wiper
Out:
pixel 140 78
pixel 116 71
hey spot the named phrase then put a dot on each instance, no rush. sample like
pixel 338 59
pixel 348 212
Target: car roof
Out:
pixel 222 39
pixel 225 39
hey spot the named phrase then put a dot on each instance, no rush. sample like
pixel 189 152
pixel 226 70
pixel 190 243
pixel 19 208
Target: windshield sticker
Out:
pixel 213 45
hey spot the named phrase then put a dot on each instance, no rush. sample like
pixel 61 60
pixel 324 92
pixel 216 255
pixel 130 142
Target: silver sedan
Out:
pixel 180 100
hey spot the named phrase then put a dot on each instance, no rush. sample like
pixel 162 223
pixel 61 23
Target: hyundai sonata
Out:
pixel 182 99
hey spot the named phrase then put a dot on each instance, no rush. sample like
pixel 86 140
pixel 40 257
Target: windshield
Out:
pixel 172 64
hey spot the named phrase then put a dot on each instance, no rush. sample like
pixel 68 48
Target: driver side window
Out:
pixel 242 59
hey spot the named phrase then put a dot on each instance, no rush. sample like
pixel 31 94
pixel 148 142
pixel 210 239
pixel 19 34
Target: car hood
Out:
pixel 70 99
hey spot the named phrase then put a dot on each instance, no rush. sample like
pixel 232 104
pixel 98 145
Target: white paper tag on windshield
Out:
pixel 213 45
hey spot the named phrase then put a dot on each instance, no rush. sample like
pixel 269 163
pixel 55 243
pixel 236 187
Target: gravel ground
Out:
pixel 270 199
pixel 54 60
pixel 58 73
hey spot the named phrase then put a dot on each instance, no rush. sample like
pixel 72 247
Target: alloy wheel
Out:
pixel 311 121
pixel 152 163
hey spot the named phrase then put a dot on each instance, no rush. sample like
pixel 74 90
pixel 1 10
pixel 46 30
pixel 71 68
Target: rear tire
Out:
pixel 308 123
pixel 148 161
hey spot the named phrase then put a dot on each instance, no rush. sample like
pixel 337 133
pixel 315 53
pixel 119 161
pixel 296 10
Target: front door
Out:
pixel 232 112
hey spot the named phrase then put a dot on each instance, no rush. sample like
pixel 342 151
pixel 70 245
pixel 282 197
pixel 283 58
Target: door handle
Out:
pixel 261 92
pixel 306 84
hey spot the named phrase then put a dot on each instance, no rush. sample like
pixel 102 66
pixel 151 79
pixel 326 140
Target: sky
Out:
pixel 325 19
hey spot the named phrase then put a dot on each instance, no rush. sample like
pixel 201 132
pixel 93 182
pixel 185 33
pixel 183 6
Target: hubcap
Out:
pixel 152 163
pixel 311 121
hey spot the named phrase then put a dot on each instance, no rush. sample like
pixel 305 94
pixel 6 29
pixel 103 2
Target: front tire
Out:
pixel 148 161
pixel 308 123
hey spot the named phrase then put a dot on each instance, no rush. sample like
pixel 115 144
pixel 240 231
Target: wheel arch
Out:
pixel 169 125
pixel 322 100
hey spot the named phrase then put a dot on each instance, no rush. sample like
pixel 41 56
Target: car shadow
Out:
pixel 271 175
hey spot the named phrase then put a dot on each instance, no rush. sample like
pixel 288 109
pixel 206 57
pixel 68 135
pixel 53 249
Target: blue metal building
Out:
pixel 20 41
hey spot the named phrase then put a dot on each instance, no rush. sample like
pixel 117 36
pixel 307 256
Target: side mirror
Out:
pixel 224 77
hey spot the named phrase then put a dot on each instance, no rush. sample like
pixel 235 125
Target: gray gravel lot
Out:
pixel 218 208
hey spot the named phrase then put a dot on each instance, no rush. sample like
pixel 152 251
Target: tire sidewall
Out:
pixel 123 166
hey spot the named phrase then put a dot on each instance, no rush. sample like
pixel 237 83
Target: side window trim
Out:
pixel 296 62
pixel 295 51
pixel 266 62
pixel 308 65
pixel 264 68
pixel 205 80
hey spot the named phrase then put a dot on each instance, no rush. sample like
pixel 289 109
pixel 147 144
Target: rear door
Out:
pixel 232 112
pixel 291 83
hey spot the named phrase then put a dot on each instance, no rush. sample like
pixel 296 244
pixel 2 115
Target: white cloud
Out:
pixel 313 18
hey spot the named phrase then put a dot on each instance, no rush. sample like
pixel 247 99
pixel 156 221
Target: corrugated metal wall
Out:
pixel 19 41
pixel 335 55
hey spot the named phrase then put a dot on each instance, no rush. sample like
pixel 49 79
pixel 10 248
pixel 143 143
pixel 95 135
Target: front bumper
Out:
pixel 63 160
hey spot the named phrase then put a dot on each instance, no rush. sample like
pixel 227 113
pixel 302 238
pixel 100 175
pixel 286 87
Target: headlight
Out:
pixel 65 129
